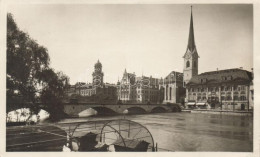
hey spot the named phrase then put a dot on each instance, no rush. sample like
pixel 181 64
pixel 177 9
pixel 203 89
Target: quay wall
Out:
pixel 236 113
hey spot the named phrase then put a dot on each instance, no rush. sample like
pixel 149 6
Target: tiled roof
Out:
pixel 222 76
pixel 191 41
pixel 170 78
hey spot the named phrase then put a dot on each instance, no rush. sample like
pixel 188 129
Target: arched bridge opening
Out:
pixel 135 110
pixel 96 111
pixel 158 110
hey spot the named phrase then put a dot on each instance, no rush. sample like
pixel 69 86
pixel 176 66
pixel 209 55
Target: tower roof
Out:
pixel 98 64
pixel 191 40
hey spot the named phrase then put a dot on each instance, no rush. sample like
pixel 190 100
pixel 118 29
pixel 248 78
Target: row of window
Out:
pixel 215 89
pixel 222 93
pixel 139 96
pixel 223 98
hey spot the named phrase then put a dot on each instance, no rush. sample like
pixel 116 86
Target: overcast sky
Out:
pixel 148 39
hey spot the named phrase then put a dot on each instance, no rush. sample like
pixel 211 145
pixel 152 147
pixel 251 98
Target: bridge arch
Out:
pixel 96 110
pixel 135 110
pixel 158 109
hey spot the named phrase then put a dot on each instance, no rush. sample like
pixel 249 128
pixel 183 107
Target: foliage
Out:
pixel 29 77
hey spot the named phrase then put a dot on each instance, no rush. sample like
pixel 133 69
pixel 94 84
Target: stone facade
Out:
pixel 138 89
pixel 172 88
pixel 225 89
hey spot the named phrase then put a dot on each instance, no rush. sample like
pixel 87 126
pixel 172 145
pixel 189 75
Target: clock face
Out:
pixel 188 56
pixel 98 69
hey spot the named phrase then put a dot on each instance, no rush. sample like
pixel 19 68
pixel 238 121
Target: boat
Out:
pixel 119 135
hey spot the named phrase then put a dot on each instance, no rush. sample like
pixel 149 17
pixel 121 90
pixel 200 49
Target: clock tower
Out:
pixel 98 75
pixel 191 56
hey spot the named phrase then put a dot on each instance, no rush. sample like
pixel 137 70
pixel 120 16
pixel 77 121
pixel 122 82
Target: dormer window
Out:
pixel 204 80
pixel 229 78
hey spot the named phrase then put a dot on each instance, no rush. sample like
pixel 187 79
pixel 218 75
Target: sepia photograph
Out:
pixel 129 77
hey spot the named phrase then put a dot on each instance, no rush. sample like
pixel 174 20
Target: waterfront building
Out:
pixel 224 89
pixel 133 89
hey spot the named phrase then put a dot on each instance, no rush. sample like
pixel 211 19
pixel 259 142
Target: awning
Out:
pixel 200 103
pixel 191 103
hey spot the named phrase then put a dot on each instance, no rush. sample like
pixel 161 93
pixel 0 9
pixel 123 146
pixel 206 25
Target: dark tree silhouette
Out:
pixel 29 77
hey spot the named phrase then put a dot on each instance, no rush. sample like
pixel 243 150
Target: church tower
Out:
pixel 98 74
pixel 191 56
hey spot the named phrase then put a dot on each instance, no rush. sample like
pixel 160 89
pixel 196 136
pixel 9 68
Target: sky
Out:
pixel 148 39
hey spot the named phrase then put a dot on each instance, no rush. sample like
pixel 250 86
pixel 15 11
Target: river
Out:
pixel 193 131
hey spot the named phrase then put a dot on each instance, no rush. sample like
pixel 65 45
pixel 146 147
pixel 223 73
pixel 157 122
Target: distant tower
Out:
pixel 191 56
pixel 98 74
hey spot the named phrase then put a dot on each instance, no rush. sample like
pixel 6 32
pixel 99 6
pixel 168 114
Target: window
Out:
pixel 195 64
pixel 228 97
pixel 228 88
pixel 204 97
pixel 242 98
pixel 229 78
pixel 187 64
pixel 170 93
pixel 235 97
pixel 243 92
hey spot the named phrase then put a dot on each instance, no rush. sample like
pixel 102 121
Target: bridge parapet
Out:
pixel 73 109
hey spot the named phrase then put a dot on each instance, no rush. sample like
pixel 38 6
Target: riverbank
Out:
pixel 224 112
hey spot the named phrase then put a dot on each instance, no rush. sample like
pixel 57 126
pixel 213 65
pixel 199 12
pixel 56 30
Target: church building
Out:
pixel 229 89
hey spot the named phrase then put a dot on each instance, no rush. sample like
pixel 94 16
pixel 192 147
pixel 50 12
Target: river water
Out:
pixel 194 131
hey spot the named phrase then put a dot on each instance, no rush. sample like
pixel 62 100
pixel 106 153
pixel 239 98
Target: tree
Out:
pixel 29 77
pixel 25 59
pixel 53 92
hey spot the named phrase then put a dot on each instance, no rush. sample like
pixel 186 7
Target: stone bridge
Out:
pixel 74 109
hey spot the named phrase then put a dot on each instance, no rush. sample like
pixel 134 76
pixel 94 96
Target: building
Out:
pixel 132 89
pixel 230 89
pixel 224 89
pixel 172 88
pixel 97 90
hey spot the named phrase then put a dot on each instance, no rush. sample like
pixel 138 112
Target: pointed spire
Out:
pixel 125 70
pixel 191 41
